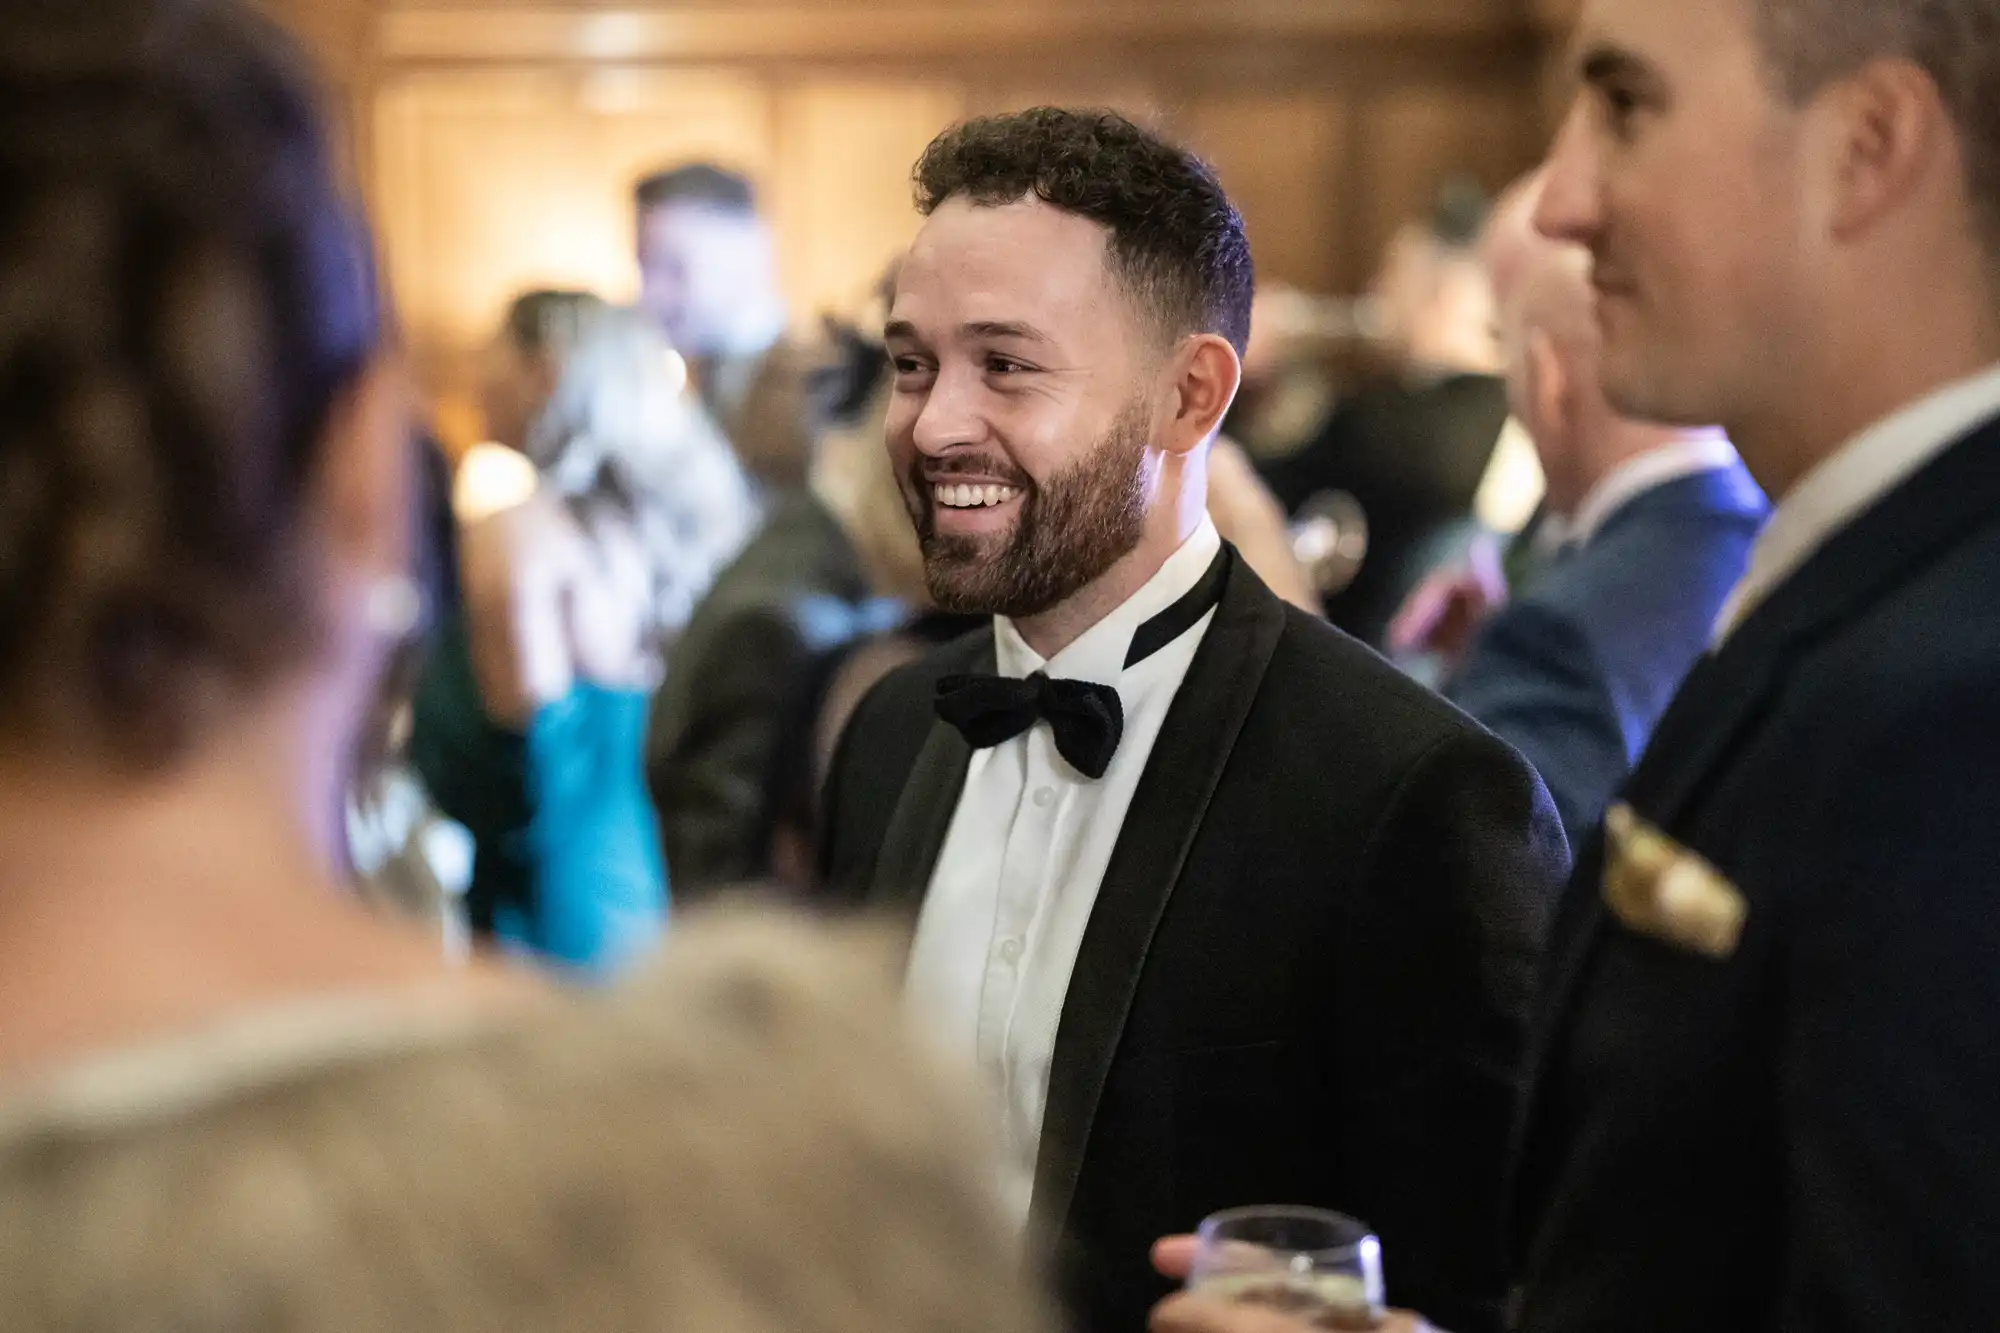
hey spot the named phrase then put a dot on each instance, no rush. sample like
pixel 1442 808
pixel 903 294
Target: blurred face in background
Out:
pixel 1679 168
pixel 1434 305
pixel 1402 288
pixel 1019 423
pixel 703 271
pixel 515 387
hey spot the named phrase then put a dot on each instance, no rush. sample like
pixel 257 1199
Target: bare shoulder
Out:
pixel 504 555
pixel 515 566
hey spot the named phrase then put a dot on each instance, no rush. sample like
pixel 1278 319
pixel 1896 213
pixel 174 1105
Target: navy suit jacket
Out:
pixel 1577 669
pixel 1798 1136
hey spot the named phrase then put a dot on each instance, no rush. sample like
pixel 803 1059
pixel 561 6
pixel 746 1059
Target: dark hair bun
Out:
pixel 184 292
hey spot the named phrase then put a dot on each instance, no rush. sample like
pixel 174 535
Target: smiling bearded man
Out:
pixel 1224 908
pixel 1068 532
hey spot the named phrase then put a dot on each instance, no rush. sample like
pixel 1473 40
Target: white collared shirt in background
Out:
pixel 1695 452
pixel 1853 478
pixel 1019 872
pixel 1685 456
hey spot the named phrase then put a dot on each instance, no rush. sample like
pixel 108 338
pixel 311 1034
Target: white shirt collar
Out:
pixel 1853 478
pixel 1685 456
pixel 1098 654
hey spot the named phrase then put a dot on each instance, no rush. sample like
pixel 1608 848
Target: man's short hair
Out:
pixel 700 183
pixel 1176 242
pixel 550 321
pixel 1810 43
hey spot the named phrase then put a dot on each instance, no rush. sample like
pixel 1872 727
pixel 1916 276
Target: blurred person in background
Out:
pixel 1430 307
pixel 402 854
pixel 1411 444
pixel 708 278
pixel 1249 517
pixel 525 359
pixel 1435 624
pixel 1290 379
pixel 530 724
pixel 834 564
pixel 746 1142
pixel 1649 528
pixel 206 498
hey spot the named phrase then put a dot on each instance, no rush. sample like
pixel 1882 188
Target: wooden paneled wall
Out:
pixel 497 144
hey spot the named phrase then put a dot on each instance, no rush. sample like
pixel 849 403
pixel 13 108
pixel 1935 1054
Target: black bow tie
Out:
pixel 1087 718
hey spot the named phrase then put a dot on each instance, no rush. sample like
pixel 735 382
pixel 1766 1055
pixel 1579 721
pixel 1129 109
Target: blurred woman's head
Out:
pixel 537 334
pixel 851 476
pixel 204 471
pixel 621 440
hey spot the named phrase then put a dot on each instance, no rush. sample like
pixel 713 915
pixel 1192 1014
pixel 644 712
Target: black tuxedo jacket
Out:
pixel 1307 973
pixel 1803 1135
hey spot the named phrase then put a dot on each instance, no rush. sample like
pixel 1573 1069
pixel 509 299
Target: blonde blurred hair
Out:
pixel 746 1144
pixel 852 476
pixel 621 438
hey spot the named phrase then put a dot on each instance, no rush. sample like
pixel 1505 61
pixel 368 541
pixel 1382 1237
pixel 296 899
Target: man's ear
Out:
pixel 1205 374
pixel 1548 381
pixel 1885 125
pixel 366 485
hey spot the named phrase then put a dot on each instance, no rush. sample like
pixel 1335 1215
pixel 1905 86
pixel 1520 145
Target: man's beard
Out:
pixel 1070 531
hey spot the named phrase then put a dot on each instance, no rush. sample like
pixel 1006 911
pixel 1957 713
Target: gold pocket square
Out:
pixel 1658 887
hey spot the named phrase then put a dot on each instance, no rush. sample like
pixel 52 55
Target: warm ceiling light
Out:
pixel 491 478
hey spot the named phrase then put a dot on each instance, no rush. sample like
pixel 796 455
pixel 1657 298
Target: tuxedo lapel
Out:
pixel 1713 706
pixel 923 815
pixel 916 832
pixel 1883 548
pixel 1717 700
pixel 1731 689
pixel 1166 813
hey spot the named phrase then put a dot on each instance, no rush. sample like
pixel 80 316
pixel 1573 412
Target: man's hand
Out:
pixel 1192 1314
pixel 1449 606
pixel 1174 1257
pixel 1185 1313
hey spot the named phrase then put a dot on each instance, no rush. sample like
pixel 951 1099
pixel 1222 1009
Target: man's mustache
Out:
pixel 930 471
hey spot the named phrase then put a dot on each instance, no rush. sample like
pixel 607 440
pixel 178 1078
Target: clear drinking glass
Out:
pixel 1317 1266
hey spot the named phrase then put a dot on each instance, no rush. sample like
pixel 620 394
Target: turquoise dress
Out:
pixel 567 861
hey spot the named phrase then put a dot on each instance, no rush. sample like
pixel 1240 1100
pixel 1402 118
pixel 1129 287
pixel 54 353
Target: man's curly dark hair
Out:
pixel 1176 242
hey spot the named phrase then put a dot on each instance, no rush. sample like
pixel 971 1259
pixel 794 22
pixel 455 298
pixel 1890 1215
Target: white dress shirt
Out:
pixel 1851 480
pixel 1028 846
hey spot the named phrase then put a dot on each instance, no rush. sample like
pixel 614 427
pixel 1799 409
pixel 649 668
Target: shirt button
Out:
pixel 1010 950
pixel 1045 797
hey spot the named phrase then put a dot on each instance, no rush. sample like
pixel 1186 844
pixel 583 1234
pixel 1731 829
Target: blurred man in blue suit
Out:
pixel 1649 528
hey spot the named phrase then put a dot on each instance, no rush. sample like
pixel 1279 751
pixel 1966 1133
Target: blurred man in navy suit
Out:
pixel 1648 529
